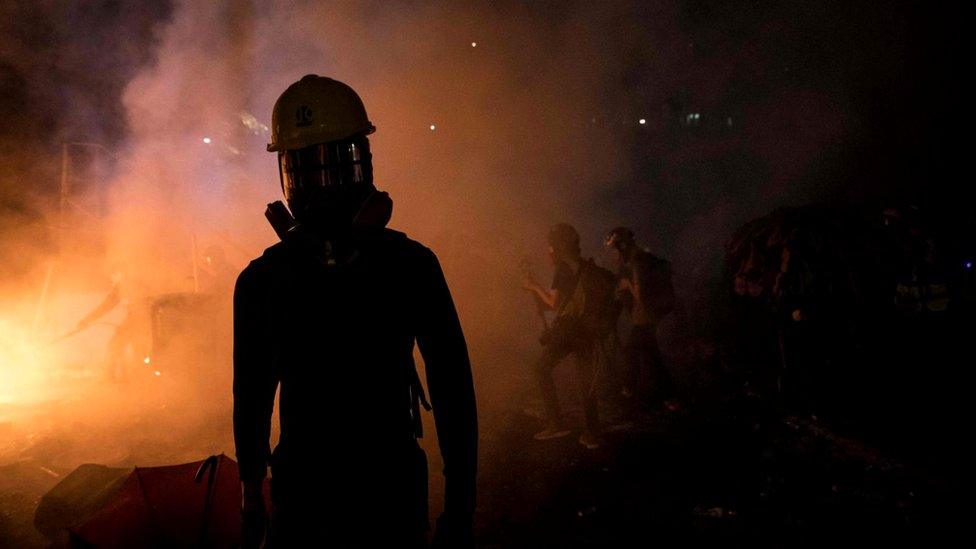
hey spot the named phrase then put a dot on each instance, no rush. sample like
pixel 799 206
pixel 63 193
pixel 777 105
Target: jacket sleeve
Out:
pixel 255 381
pixel 451 387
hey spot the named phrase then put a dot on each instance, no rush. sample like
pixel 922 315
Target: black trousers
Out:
pixel 644 355
pixel 552 355
pixel 367 501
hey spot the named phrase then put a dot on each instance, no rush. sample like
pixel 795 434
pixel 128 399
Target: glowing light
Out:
pixel 23 362
pixel 206 140
pixel 642 121
pixel 145 360
pixel 252 123
pixel 969 264
pixel 157 373
pixel 433 127
pixel 474 44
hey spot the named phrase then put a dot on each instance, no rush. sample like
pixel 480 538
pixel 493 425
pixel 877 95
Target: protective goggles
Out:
pixel 325 166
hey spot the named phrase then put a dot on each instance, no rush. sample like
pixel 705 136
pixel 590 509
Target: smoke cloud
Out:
pixel 494 120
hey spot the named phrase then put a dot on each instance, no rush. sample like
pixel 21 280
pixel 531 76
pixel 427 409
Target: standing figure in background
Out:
pixel 575 296
pixel 645 287
pixel 131 341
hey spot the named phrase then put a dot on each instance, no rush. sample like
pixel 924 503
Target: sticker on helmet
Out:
pixel 303 116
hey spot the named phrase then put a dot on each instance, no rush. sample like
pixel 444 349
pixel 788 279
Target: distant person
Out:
pixel 131 340
pixel 579 295
pixel 646 289
pixel 329 317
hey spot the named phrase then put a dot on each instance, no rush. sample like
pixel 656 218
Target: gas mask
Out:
pixel 326 184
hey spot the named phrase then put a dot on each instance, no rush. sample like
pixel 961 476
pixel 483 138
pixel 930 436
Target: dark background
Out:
pixel 828 101
pixel 749 106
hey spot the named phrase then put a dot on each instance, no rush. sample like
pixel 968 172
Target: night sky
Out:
pixel 797 102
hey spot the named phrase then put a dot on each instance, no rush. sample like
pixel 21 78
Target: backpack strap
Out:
pixel 418 398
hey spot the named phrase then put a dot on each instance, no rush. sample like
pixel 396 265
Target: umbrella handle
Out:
pixel 208 464
pixel 211 464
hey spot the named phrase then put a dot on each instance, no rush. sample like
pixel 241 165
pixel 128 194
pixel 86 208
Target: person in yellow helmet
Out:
pixel 329 318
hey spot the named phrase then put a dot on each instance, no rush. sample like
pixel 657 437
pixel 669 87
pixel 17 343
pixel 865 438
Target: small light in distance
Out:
pixel 146 360
pixel 206 140
pixel 969 264
pixel 474 44
pixel 157 373
pixel 433 127
pixel 642 121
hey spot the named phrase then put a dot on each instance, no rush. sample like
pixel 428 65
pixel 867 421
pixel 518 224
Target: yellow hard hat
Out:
pixel 316 110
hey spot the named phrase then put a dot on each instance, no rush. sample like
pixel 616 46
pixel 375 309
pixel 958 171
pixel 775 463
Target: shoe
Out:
pixel 551 432
pixel 621 427
pixel 590 441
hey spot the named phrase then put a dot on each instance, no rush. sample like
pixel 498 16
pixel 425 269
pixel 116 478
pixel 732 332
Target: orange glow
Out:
pixel 22 363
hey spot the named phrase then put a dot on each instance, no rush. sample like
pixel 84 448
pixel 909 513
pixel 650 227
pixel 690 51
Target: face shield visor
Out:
pixel 327 175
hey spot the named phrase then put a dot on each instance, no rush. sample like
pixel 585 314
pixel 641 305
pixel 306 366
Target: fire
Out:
pixel 42 356
pixel 23 363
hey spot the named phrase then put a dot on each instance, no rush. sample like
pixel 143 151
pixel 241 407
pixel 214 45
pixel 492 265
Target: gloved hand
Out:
pixel 453 532
pixel 254 516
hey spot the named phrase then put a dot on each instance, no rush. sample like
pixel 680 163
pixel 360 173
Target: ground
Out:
pixel 728 467
pixel 733 470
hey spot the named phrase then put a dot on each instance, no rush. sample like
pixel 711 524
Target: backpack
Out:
pixel 601 306
pixel 589 313
pixel 662 290
pixel 657 290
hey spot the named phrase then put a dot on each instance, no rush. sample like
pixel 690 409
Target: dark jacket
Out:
pixel 339 342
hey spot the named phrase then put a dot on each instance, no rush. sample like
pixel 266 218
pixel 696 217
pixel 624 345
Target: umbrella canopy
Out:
pixel 75 497
pixel 194 504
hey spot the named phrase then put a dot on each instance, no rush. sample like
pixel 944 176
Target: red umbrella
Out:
pixel 190 505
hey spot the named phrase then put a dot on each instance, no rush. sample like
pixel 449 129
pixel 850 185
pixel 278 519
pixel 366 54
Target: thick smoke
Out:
pixel 511 98
pixel 520 140
pixel 494 120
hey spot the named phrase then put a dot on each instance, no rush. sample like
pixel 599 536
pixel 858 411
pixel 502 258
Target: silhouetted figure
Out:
pixel 645 287
pixel 330 316
pixel 131 340
pixel 576 295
